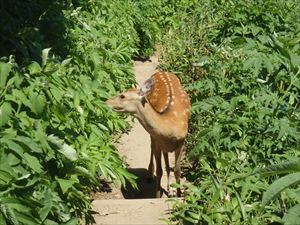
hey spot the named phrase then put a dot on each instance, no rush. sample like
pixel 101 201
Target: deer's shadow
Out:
pixel 145 184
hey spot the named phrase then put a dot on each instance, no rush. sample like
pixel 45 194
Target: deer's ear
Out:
pixel 146 87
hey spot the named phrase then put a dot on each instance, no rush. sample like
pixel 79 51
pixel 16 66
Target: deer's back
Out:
pixel 169 99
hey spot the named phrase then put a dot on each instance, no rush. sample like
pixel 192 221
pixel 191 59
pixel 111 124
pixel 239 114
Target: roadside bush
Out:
pixel 59 62
pixel 240 63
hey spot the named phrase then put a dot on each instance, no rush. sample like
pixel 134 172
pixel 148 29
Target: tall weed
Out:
pixel 240 62
pixel 60 60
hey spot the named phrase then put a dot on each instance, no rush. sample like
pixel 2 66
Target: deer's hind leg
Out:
pixel 166 157
pixel 177 168
pixel 157 154
pixel 151 165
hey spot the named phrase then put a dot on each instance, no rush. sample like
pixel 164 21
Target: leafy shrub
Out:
pixel 147 25
pixel 54 127
pixel 291 168
pixel 240 62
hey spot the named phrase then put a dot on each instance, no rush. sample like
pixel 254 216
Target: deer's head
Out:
pixel 161 91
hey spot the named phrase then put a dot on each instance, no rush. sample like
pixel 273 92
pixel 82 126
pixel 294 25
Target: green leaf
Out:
pixel 37 103
pixel 65 184
pixel 291 99
pixel 279 185
pixel 292 216
pixel 13 146
pixel 242 208
pixel 66 62
pixel 68 151
pixel 5 113
pixel 85 172
pixel 26 218
pixel 19 95
pixel 5 177
pixel 45 54
pixel 8 214
pixel 56 92
pixel 48 203
pixel 50 222
pixel 33 163
pixel 73 221
pixel 280 168
pixel 30 143
pixel 2 220
pixel 5 68
pixel 34 68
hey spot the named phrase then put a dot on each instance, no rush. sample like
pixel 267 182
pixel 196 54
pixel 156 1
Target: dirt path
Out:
pixel 130 206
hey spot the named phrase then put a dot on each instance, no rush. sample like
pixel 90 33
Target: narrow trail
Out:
pixel 130 206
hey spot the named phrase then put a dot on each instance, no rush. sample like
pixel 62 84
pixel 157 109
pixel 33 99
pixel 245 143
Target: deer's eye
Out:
pixel 122 96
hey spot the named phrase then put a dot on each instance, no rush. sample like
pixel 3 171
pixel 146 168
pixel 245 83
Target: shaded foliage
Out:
pixel 59 62
pixel 240 62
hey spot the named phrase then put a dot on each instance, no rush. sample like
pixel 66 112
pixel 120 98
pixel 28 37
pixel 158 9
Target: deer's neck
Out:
pixel 149 118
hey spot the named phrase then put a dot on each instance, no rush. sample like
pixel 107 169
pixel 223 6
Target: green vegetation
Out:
pixel 59 62
pixel 240 61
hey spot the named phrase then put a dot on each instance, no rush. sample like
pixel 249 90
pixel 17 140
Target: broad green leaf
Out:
pixel 85 172
pixel 56 92
pixel 13 146
pixel 65 184
pixel 76 100
pixel 279 185
pixel 45 54
pixel 34 68
pixel 66 62
pixel 8 214
pixel 30 143
pixel 2 220
pixel 295 60
pixel 292 216
pixel 26 218
pixel 207 218
pixel 280 168
pixel 50 222
pixel 47 205
pixel 69 152
pixel 284 127
pixel 55 140
pixel 73 221
pixel 5 68
pixel 5 113
pixel 5 177
pixel 19 95
pixel 291 99
pixel 248 63
pixel 15 204
pixel 37 103
pixel 241 205
pixel 33 163
pixel 194 216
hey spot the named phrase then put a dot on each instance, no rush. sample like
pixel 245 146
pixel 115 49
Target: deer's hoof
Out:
pixel 159 194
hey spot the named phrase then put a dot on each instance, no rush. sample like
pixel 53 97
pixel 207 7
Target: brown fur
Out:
pixel 162 107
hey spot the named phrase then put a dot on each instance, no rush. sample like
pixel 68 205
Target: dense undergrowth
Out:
pixel 240 61
pixel 59 62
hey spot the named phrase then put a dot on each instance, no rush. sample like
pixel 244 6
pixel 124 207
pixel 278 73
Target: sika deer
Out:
pixel 162 107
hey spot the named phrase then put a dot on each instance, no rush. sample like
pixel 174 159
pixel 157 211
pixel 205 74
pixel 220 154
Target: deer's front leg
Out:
pixel 158 174
pixel 166 157
pixel 151 165
pixel 177 169
pixel 157 154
